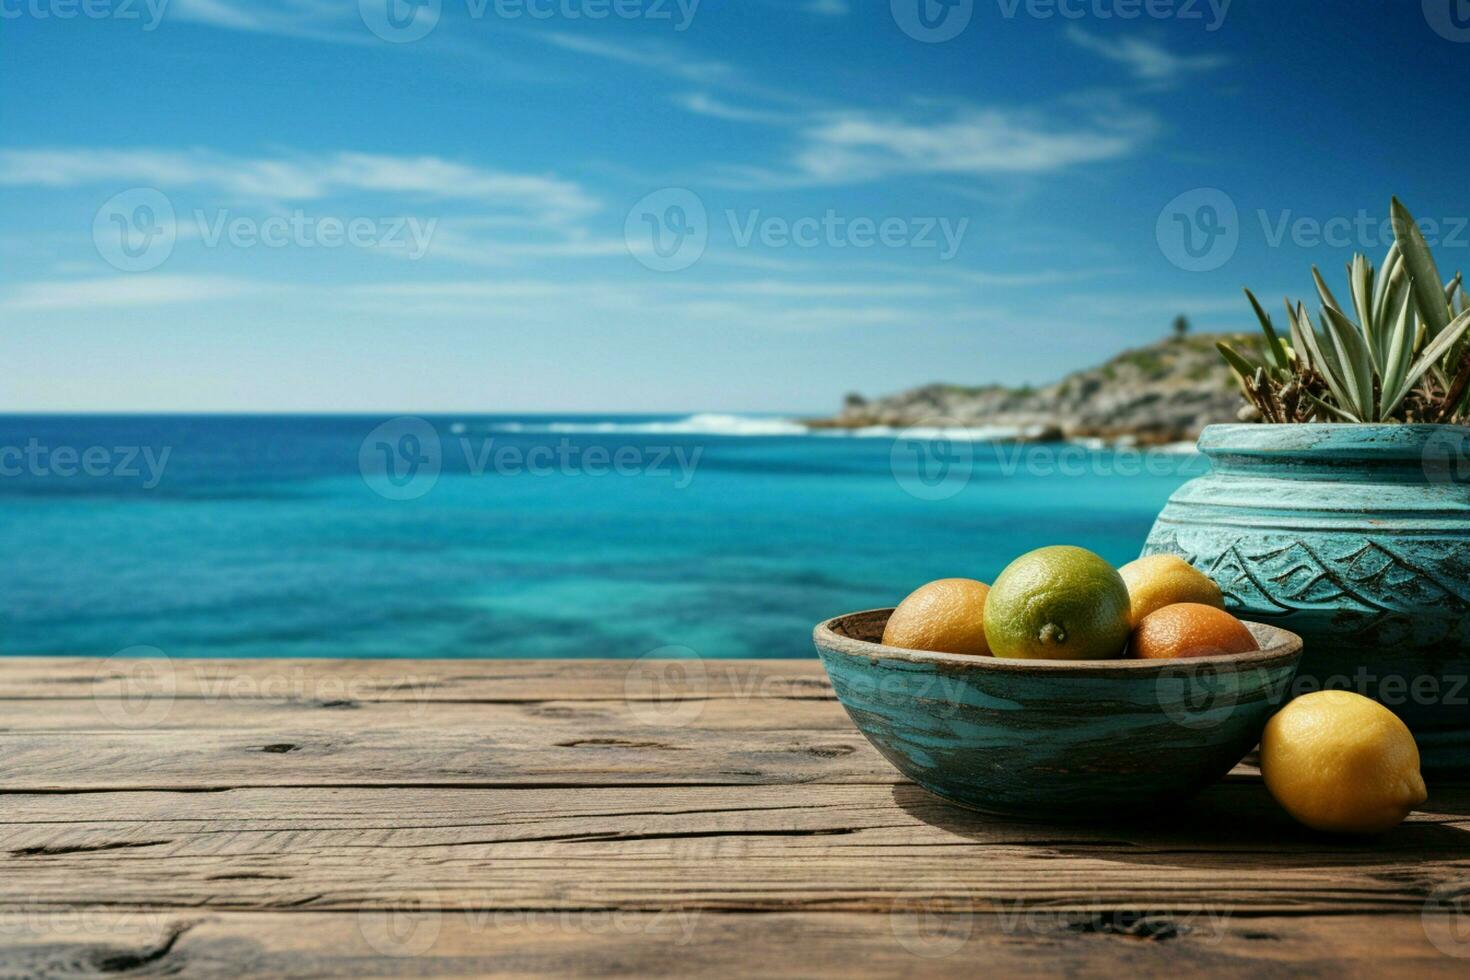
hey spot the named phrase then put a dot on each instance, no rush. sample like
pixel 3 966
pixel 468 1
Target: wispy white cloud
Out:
pixel 319 20
pixel 976 142
pixel 298 177
pixel 121 291
pixel 706 105
pixel 744 304
pixel 1146 60
pixel 658 57
pixel 847 147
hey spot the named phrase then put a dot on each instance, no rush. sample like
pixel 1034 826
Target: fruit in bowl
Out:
pixel 1189 629
pixel 1058 603
pixel 1067 686
pixel 1164 580
pixel 947 615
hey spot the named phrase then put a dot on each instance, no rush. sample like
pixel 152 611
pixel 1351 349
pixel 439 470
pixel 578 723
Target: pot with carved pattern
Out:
pixel 1356 538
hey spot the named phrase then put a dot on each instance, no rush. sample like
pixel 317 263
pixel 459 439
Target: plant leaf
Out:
pixel 1391 278
pixel 1360 281
pixel 1385 275
pixel 1304 350
pixel 1324 362
pixel 1327 298
pixel 1401 354
pixel 1423 276
pixel 1242 367
pixel 1433 351
pixel 1357 365
pixel 1275 349
pixel 1345 416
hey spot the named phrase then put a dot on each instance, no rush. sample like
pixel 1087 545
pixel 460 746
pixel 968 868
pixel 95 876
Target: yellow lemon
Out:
pixel 947 616
pixel 1340 762
pixel 1162 580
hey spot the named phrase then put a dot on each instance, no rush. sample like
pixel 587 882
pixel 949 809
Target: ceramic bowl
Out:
pixel 1059 739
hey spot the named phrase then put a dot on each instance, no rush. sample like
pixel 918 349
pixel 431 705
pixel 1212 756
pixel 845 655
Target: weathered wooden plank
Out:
pixel 507 756
pixel 560 719
pixel 651 680
pixel 571 818
pixel 852 848
pixel 428 942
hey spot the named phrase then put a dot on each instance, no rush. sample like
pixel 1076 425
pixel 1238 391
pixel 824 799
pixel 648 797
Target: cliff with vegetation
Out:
pixel 1166 392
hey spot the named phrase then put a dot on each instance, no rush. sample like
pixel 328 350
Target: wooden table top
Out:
pixel 466 818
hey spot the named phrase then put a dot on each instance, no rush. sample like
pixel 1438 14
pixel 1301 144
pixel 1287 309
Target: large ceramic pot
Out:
pixel 1356 538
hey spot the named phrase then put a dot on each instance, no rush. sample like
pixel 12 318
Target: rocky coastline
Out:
pixel 1163 393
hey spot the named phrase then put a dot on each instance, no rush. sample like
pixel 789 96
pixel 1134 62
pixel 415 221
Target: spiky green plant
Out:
pixel 1403 355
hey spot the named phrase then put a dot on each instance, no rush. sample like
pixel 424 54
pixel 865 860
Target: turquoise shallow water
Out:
pixel 515 537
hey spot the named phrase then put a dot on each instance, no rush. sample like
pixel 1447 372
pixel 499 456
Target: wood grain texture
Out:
pixel 551 826
pixel 430 943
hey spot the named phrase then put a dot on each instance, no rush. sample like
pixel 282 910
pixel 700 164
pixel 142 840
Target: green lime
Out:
pixel 1058 603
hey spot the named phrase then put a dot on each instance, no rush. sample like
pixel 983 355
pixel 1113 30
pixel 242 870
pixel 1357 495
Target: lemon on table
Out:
pixel 947 616
pixel 1163 580
pixel 1340 762
pixel 1061 603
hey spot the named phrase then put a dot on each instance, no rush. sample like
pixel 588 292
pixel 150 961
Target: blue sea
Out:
pixel 518 536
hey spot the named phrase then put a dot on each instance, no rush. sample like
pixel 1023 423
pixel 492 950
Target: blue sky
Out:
pixel 840 205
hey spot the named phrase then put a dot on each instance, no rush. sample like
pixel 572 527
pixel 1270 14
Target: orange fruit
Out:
pixel 1189 629
pixel 946 616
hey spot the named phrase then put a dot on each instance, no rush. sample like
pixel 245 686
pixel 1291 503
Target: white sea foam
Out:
pixel 717 424
pixel 708 424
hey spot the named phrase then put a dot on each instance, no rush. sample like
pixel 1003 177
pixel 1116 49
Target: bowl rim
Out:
pixel 1278 647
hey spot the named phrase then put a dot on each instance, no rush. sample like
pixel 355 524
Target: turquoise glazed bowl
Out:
pixel 1357 538
pixel 1055 739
